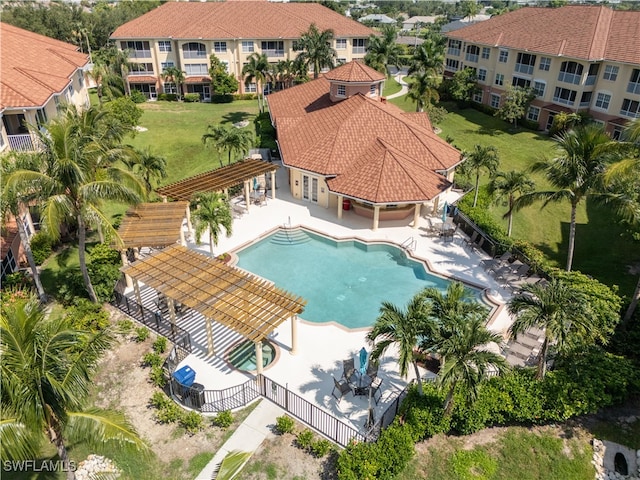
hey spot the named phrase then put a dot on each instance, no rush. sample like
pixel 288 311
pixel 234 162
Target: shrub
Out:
pixel 141 334
pixel 192 97
pixel 245 96
pixel 192 421
pixel 18 280
pixel 152 359
pixel 125 111
pixel 86 315
pixel 41 247
pixel 424 414
pixel 157 376
pixel 168 97
pixel 320 447
pixel 217 98
pixel 285 424
pixel 125 326
pixel 223 419
pixel 169 413
pixel 304 439
pixel 137 96
pixel 160 345
pixel 104 270
pixel 159 400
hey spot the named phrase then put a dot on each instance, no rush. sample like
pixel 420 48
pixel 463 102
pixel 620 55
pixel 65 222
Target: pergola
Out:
pixel 152 225
pixel 245 303
pixel 221 179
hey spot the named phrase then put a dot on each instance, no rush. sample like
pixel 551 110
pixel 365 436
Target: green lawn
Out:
pixel 600 251
pixel 390 87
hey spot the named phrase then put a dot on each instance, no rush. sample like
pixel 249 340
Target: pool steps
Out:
pixel 290 237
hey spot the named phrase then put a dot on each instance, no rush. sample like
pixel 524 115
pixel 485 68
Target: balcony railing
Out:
pixel 591 80
pixel 569 78
pixel 142 72
pixel 453 51
pixel 22 143
pixel 139 53
pixel 564 101
pixel 359 50
pixel 471 57
pixel 194 54
pixel 273 53
pixel 633 87
pixel 524 68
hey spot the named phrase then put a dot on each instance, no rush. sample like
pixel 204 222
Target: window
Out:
pixel 194 50
pixel 452 64
pixel 273 48
pixel 137 49
pixel 341 91
pixel 164 45
pixel 533 114
pixel 495 100
pixel 482 75
pixel 341 43
pixel 41 117
pixel 634 82
pixel 358 45
pixel 169 87
pixel 80 79
pixel 585 99
pixel 477 97
pixel 220 47
pixel 630 108
pixel 247 46
pixel 9 264
pixel 56 100
pixel 545 64
pixel 341 61
pixel 70 91
pixel 251 88
pixel 147 89
pixel 504 56
pixel 454 47
pixel 592 75
pixel 473 52
pixel 140 69
pixel 570 72
pixel 165 65
pixel 373 90
pixel 539 87
pixel 499 79
pixel 603 100
pixel 485 53
pixel 564 95
pixel 196 69
pixel 610 73
pixel 520 82
pixel 525 63
pixel 616 134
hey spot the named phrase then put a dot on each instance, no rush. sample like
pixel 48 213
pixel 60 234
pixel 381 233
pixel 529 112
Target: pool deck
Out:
pixel 322 347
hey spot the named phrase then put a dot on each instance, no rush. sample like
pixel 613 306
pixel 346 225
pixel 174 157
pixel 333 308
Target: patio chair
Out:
pixel 348 369
pixel 478 244
pixel 342 386
pixel 375 389
pixel 472 239
pixel 372 370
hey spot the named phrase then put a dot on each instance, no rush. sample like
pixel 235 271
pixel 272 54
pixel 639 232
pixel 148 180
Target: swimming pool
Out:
pixel 343 281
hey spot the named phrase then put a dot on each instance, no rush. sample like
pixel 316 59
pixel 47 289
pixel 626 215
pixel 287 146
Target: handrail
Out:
pixel 409 244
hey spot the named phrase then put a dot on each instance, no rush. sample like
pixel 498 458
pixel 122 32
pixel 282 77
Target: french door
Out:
pixel 310 188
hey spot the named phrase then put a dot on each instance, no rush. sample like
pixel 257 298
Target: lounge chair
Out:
pixel 342 386
pixel 348 369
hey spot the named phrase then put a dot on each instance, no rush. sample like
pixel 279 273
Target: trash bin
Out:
pixel 185 376
pixel 197 395
pixel 346 204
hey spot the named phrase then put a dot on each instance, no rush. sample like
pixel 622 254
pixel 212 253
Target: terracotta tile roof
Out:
pixel 197 80
pixel 142 79
pixel 250 20
pixel 8 236
pixel 576 31
pixel 354 72
pixel 34 67
pixel 376 151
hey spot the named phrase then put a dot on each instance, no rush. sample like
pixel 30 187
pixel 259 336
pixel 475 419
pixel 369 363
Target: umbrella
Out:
pixel 255 184
pixel 363 360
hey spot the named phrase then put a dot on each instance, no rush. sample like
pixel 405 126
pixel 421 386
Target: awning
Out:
pixel 552 107
pixel 197 80
pixel 142 79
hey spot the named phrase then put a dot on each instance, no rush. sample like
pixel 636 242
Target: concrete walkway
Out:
pixel 248 436
pixel 405 88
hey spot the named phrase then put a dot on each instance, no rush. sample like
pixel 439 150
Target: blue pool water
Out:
pixel 342 281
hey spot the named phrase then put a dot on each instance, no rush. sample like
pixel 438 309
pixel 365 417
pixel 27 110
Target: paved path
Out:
pixel 405 88
pixel 248 436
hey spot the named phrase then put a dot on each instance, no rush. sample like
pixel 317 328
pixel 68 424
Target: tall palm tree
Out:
pixel 423 89
pixel 47 369
pixel 558 309
pixel 176 76
pixel 403 328
pixel 215 137
pixel 455 302
pixel 576 173
pixel 75 174
pixel 317 51
pixel 117 63
pixel 510 184
pixel 233 140
pixel 479 159
pixel 428 58
pixel 284 72
pixel 211 213
pixel 257 70
pixel 149 167
pixel 464 360
pixel 383 50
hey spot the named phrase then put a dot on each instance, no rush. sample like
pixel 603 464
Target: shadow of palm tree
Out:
pixel 235 117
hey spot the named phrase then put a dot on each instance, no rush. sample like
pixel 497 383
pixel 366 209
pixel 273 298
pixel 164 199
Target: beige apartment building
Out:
pixel 185 34
pixel 37 75
pixel 576 58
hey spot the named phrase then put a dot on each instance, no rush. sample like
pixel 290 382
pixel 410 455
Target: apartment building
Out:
pixel 577 58
pixel 37 75
pixel 184 35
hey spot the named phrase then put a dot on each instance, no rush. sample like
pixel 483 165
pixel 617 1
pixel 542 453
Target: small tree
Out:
pixel 515 104
pixel 481 158
pixel 222 82
pixel 463 85
pixel 212 212
pixel 174 75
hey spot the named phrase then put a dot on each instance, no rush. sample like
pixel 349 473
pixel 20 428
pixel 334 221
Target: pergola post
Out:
pixel 189 225
pixel 136 253
pixel 125 262
pixel 209 337
pixel 247 195
pixel 416 215
pixel 136 290
pixel 164 199
pixel 436 202
pixel 273 184
pixel 294 335
pixel 183 240
pixel 172 314
pixel 259 357
pixel 340 197
pixel 376 216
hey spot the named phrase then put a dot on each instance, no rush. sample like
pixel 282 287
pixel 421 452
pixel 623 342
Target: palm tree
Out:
pixel 215 138
pixel 383 50
pixel 212 212
pixel 576 173
pixel 75 174
pixel 151 168
pixel 403 328
pixel 176 76
pixel 284 72
pixel 455 302
pixel 464 360
pixel 509 184
pixel 481 158
pixel 428 58
pixel 558 309
pixel 317 51
pixel 230 139
pixel 423 89
pixel 256 70
pixel 117 63
pixel 47 369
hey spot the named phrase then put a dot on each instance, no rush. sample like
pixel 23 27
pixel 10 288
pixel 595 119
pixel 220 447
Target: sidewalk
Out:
pixel 405 88
pixel 248 436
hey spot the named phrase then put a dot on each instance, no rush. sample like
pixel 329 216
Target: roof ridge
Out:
pixel 603 25
pixel 395 153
